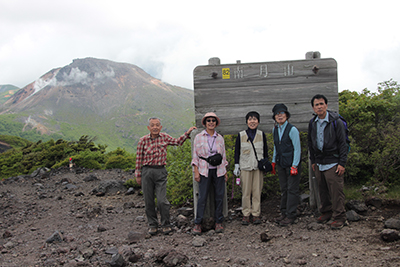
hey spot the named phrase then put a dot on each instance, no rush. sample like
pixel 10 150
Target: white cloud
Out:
pixel 169 39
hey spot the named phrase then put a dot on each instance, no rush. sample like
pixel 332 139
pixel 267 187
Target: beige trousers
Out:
pixel 252 184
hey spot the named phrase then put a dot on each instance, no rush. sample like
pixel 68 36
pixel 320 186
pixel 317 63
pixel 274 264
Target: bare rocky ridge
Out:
pixel 84 218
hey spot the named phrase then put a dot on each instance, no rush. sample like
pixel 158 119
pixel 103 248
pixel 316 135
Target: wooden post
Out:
pixel 214 61
pixel 210 206
pixel 315 202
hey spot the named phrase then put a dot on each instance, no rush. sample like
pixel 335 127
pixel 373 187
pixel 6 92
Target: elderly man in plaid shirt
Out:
pixel 151 156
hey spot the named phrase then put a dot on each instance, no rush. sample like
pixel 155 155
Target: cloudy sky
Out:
pixel 168 39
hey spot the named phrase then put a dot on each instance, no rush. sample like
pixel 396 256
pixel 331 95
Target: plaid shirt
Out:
pixel 154 151
pixel 201 149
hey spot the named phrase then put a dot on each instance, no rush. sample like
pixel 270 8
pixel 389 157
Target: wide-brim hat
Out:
pixel 278 108
pixel 208 115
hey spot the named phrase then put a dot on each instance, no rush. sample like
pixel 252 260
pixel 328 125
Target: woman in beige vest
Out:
pixel 246 166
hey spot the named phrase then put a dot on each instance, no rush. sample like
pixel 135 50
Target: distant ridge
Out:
pixel 6 91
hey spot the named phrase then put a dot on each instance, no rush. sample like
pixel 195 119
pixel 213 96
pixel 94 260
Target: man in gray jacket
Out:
pixel 328 154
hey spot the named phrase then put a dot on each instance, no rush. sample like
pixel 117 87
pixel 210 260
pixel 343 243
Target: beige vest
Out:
pixel 247 159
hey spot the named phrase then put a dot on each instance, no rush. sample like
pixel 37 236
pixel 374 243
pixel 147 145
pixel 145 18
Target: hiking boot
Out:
pixel 337 225
pixel 330 221
pixel 324 218
pixel 256 220
pixel 246 220
pixel 167 230
pixel 153 231
pixel 280 218
pixel 287 221
pixel 197 229
pixel 219 228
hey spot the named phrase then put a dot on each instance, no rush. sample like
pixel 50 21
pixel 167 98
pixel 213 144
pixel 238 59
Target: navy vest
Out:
pixel 284 148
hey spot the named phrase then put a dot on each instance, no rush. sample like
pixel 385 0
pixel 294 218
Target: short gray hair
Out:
pixel 154 118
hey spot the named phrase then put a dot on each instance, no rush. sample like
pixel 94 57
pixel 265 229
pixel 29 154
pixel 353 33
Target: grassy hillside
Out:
pixel 105 133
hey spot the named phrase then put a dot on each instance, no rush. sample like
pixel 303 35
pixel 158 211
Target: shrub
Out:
pixel 131 183
pixel 120 162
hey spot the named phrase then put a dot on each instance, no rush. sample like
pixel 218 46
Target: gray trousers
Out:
pixel 290 194
pixel 154 182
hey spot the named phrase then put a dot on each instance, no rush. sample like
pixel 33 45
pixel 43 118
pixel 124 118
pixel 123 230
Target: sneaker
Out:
pixel 246 220
pixel 324 218
pixel 166 230
pixel 280 218
pixel 337 225
pixel 256 220
pixel 196 229
pixel 153 231
pixel 287 221
pixel 219 228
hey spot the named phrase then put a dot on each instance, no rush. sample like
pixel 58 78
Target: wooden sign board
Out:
pixel 233 90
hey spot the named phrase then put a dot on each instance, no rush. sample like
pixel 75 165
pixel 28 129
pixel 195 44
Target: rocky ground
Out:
pixel 86 218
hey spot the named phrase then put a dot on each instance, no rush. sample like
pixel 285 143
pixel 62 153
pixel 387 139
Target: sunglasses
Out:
pixel 280 112
pixel 211 120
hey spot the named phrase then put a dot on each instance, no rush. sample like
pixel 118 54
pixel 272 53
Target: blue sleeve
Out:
pixel 295 137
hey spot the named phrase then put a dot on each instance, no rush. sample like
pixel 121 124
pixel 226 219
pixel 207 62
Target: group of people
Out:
pixel 328 155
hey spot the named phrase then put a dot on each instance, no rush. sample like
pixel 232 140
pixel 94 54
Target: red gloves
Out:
pixel 293 171
pixel 273 168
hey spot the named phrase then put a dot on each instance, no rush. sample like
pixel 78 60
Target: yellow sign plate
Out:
pixel 226 73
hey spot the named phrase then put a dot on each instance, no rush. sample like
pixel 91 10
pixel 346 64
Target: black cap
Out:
pixel 278 108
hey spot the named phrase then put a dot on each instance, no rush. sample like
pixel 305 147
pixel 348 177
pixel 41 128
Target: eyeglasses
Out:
pixel 279 112
pixel 211 120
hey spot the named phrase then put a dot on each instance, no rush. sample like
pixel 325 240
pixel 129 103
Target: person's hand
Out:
pixel 294 171
pixel 313 167
pixel 273 168
pixel 197 177
pixel 340 170
pixel 191 129
pixel 226 177
pixel 236 171
pixel 139 180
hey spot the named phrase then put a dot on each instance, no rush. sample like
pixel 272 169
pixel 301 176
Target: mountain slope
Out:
pixel 101 98
pixel 6 91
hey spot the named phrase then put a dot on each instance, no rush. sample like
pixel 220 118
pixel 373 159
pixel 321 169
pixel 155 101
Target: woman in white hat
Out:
pixel 209 143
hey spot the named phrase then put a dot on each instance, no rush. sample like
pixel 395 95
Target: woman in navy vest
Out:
pixel 286 160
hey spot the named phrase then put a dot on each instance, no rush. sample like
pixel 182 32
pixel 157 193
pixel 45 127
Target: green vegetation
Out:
pixel 54 154
pixel 14 141
pixel 11 125
pixel 374 158
pixel 374 126
pixel 105 131
pixel 353 192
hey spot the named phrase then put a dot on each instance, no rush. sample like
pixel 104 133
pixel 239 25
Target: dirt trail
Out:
pixel 33 209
